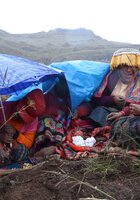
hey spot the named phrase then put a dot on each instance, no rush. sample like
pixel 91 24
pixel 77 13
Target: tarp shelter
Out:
pixel 17 74
pixel 83 78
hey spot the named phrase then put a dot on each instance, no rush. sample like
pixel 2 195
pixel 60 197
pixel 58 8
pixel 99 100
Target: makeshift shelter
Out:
pixel 75 79
pixel 83 78
pixel 18 74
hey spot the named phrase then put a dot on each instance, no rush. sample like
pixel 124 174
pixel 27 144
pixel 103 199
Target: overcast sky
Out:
pixel 117 20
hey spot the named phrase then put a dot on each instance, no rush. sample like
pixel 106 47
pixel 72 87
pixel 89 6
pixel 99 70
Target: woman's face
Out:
pixel 127 73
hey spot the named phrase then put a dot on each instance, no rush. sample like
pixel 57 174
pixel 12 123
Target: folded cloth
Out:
pixel 90 142
pixel 79 141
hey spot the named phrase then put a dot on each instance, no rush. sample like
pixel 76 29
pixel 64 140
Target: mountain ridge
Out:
pixel 60 45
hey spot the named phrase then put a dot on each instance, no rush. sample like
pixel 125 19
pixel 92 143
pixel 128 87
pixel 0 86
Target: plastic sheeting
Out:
pixel 19 76
pixel 17 73
pixel 83 78
pixel 45 87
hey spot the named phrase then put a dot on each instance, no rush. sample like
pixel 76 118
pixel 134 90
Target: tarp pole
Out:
pixel 3 112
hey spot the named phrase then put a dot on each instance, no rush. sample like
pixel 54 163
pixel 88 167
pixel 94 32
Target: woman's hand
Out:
pixel 114 115
pixel 134 109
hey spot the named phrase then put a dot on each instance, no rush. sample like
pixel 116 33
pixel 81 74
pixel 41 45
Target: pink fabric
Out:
pixel 30 127
pixel 103 86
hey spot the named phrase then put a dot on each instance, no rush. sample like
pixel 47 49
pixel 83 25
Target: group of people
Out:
pixel 116 104
pixel 24 119
pixel 18 132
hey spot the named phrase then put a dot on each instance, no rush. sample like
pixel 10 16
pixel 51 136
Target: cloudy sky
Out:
pixel 117 20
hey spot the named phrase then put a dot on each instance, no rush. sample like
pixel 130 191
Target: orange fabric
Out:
pixel 26 132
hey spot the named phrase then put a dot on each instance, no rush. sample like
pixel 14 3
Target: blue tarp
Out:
pixel 17 73
pixel 83 78
pixel 19 76
pixel 45 87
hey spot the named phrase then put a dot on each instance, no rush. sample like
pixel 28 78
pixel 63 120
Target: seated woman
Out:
pixel 20 129
pixel 119 89
pixel 53 122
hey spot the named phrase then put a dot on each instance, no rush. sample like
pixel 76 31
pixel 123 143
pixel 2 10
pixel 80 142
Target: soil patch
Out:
pixel 58 179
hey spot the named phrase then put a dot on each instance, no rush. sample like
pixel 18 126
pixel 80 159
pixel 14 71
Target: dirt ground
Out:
pixel 57 179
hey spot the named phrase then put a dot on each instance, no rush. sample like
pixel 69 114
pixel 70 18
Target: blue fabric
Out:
pixel 19 76
pixel 45 87
pixel 83 78
pixel 17 73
